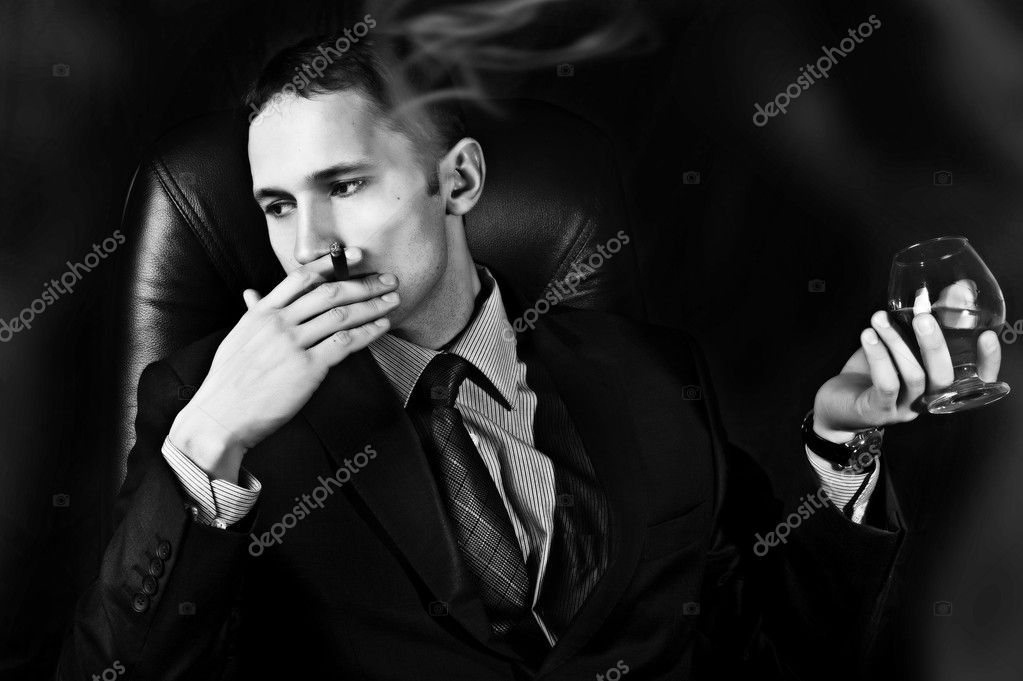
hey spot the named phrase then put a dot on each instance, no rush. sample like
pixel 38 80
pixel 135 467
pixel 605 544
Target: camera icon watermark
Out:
pixel 61 71
pixel 943 178
pixel 565 70
pixel 692 392
pixel 61 500
pixel 438 609
pixel 565 499
pixel 186 608
pixel 942 609
pixel 691 177
pixel 816 286
pixel 186 392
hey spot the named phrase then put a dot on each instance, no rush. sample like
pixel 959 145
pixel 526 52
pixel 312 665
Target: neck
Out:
pixel 448 308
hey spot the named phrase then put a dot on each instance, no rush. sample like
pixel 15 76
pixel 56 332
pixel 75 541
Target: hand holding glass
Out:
pixel 947 278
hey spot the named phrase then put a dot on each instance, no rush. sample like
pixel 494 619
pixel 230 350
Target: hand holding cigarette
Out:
pixel 278 354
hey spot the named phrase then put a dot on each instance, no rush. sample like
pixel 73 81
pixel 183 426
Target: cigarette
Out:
pixel 337 257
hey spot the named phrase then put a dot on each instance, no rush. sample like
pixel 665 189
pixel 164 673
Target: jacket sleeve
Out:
pixel 806 601
pixel 162 606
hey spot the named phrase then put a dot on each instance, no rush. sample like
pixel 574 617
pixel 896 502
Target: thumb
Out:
pixel 251 297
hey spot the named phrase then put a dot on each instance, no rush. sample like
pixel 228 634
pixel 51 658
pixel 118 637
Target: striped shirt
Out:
pixel 499 418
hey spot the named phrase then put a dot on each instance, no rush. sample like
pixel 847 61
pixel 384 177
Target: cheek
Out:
pixel 393 215
pixel 283 245
pixel 417 263
pixel 405 232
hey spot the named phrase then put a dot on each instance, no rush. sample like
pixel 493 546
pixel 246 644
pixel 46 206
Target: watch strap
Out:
pixel 858 453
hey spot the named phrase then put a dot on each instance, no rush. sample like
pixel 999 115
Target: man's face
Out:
pixel 326 169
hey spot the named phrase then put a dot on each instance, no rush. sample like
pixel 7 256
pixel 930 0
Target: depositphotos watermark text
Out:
pixel 328 53
pixel 55 288
pixel 810 73
pixel 310 502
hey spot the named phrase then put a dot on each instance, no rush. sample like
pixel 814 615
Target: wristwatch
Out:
pixel 856 455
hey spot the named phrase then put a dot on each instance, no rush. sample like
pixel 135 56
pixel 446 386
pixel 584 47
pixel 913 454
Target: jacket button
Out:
pixel 149 585
pixel 156 567
pixel 163 550
pixel 140 602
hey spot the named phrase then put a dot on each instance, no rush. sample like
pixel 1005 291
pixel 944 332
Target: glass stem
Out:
pixel 965 372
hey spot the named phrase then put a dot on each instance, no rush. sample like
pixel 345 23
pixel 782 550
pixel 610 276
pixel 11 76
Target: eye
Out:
pixel 278 209
pixel 347 187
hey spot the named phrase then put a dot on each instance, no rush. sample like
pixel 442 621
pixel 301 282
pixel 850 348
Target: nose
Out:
pixel 316 232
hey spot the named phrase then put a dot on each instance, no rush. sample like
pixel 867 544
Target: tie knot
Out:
pixel 439 383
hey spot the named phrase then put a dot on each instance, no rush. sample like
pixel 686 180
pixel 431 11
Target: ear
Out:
pixel 462 173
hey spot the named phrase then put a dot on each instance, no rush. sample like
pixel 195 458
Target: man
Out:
pixel 375 480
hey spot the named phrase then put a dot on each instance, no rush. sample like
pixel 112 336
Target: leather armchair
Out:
pixel 196 238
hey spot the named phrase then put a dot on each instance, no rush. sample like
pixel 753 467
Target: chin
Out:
pixel 398 318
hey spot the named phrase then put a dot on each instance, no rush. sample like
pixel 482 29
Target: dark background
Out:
pixel 828 191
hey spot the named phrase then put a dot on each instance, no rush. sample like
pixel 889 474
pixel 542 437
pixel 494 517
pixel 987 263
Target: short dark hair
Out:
pixel 409 93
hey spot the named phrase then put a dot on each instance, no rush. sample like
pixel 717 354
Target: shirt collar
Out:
pixel 484 343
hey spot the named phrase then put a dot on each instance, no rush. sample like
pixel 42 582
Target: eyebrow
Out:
pixel 319 176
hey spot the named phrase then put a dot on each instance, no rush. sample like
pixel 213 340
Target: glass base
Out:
pixel 964 394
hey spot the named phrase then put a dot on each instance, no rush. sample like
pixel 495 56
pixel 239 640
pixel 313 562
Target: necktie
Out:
pixel 486 540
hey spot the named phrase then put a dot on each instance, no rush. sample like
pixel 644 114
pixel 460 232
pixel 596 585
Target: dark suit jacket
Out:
pixel 368 586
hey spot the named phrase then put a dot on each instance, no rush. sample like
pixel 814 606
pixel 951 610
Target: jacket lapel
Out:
pixel 398 488
pixel 594 397
pixel 355 406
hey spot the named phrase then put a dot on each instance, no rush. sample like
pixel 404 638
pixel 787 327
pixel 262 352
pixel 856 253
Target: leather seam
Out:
pixel 214 248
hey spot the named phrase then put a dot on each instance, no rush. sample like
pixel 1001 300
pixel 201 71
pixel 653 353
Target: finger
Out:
pixel 933 351
pixel 336 294
pixel 337 346
pixel 305 278
pixel 353 254
pixel 251 297
pixel 884 392
pixel 961 294
pixel 914 380
pixel 342 266
pixel 345 317
pixel 989 356
pixel 298 282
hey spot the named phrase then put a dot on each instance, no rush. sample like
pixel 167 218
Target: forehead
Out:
pixel 295 136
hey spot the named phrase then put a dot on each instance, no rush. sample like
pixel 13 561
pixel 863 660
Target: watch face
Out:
pixel 863 449
pixel 859 452
pixel 865 437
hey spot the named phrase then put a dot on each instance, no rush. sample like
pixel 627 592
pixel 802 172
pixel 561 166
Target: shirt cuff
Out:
pixel 219 502
pixel 842 487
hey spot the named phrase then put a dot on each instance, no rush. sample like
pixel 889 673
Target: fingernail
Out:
pixel 353 253
pixel 391 297
pixel 870 336
pixel 388 279
pixel 925 324
pixel 382 322
pixel 881 319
